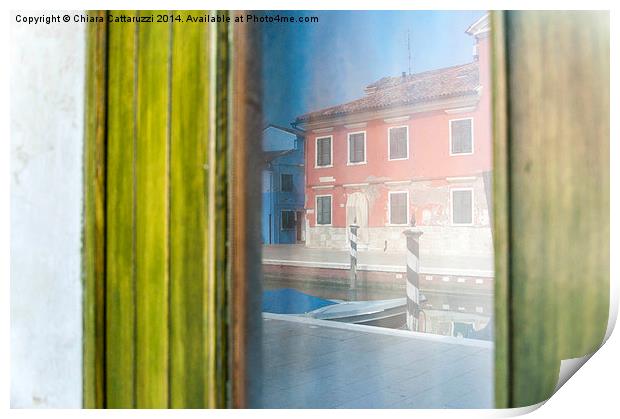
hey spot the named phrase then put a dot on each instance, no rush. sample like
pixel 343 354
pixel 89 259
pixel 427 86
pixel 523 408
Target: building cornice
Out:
pixel 470 100
pixel 394 182
pixel 480 28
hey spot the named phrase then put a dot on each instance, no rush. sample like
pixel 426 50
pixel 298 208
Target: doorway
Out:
pixel 357 213
pixel 299 226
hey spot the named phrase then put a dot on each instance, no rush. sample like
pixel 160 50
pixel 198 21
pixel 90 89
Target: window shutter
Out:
pixel 286 182
pixel 324 152
pixel 323 215
pixel 461 207
pixel 398 208
pixel 327 158
pixel 328 210
pixel 288 219
pixel 461 136
pixel 398 143
pixel 156 332
pixel 356 148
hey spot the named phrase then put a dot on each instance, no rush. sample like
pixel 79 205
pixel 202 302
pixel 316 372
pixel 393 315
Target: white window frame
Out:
pixel 452 190
pixel 472 136
pixel 316 151
pixel 389 142
pixel 316 210
pixel 282 210
pixel 389 220
pixel 349 163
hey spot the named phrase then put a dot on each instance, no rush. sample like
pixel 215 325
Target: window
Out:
pixel 324 209
pixel 324 151
pixel 398 143
pixel 398 208
pixel 357 147
pixel 286 182
pixel 462 136
pixel 288 219
pixel 462 206
pixel 358 168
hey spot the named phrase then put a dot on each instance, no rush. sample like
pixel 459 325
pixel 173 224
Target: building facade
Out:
pixel 415 149
pixel 283 186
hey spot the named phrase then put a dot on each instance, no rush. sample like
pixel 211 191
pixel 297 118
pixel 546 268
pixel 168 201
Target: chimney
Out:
pixel 480 31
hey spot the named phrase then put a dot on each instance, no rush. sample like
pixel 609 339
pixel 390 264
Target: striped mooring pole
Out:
pixel 353 249
pixel 413 278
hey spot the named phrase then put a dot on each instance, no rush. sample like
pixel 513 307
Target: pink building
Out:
pixel 414 147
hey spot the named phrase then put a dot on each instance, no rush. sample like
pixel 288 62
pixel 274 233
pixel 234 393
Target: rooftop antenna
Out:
pixel 409 51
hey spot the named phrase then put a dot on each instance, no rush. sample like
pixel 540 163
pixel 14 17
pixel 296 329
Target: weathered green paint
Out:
pixel 93 236
pixel 557 72
pixel 551 209
pixel 156 186
pixel 218 290
pixel 500 210
pixel 188 208
pixel 121 222
pixel 152 214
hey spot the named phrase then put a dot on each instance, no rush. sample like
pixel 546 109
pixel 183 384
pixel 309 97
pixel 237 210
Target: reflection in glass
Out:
pixel 376 213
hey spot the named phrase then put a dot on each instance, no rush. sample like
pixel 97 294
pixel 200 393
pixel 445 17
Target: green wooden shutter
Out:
pixel 156 183
pixel 156 214
pixel 551 196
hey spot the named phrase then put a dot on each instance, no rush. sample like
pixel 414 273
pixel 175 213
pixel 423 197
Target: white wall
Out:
pixel 47 111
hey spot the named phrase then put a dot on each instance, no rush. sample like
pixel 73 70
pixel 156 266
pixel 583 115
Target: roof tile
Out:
pixel 453 81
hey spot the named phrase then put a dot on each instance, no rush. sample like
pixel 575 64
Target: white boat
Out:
pixel 384 313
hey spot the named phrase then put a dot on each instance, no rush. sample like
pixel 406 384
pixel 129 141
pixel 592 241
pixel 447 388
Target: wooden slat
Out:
pixel 164 254
pixel 152 215
pixel 120 304
pixel 93 258
pixel 558 134
pixel 218 285
pixel 188 209
pixel 246 322
pixel 501 210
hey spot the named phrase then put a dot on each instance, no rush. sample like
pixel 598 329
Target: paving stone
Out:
pixel 324 367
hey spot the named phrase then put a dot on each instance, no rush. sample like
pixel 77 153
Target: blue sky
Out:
pixel 310 66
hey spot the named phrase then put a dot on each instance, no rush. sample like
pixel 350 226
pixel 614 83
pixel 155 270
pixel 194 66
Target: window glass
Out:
pixel 461 136
pixel 378 290
pixel 287 182
pixel 288 220
pixel 398 143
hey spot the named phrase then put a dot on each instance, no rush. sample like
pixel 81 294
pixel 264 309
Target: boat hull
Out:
pixel 394 318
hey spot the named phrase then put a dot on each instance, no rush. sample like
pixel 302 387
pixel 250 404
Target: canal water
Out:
pixel 441 309
pixel 331 291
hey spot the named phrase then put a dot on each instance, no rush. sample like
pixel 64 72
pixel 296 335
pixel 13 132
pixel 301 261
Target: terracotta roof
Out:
pixel 387 92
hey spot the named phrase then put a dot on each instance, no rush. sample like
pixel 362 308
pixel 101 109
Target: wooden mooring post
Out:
pixel 353 272
pixel 413 278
